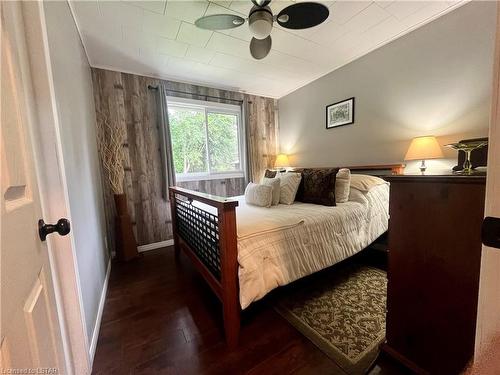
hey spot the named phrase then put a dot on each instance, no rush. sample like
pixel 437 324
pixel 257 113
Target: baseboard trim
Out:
pixel 97 327
pixel 155 245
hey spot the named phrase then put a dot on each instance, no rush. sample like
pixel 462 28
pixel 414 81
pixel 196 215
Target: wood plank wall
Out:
pixel 228 187
pixel 125 99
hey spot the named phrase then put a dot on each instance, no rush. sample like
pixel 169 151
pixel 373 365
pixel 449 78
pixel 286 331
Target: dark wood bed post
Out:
pixel 229 274
pixel 177 247
pixel 227 286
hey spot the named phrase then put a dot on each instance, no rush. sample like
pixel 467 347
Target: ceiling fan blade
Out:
pixel 302 15
pixel 259 48
pixel 219 22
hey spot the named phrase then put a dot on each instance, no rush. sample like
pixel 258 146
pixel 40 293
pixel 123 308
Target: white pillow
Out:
pixel 275 184
pixel 289 185
pixel 342 185
pixel 363 182
pixel 259 195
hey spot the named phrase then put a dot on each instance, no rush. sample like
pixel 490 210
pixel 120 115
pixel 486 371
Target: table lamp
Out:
pixel 423 148
pixel 281 162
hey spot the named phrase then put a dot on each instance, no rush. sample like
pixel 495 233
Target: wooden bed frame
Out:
pixel 209 241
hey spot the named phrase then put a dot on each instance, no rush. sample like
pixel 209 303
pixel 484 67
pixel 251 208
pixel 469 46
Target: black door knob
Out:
pixel 490 232
pixel 62 227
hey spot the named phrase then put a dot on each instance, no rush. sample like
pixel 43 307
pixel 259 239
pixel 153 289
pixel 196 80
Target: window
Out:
pixel 207 139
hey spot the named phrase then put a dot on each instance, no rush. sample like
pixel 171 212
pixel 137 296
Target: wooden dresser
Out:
pixel 433 270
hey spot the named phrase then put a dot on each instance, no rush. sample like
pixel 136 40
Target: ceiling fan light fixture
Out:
pixel 297 16
pixel 260 23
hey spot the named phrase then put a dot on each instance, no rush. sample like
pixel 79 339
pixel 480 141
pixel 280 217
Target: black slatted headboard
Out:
pixel 374 170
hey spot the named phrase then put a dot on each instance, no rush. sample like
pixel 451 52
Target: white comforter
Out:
pixel 283 243
pixel 303 238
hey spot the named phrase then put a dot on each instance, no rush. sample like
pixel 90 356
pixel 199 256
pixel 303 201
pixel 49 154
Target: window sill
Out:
pixel 221 176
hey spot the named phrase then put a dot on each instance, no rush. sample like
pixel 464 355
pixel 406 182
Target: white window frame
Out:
pixel 207 107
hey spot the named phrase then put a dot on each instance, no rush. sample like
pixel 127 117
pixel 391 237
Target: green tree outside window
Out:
pixel 204 144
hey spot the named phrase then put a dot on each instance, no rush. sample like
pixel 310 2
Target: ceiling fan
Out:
pixel 260 22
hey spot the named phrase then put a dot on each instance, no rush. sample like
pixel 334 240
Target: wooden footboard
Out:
pixel 208 238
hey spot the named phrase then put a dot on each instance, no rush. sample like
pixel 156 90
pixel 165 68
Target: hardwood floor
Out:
pixel 161 318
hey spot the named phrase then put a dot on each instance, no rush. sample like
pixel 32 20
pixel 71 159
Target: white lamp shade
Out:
pixel 423 148
pixel 260 23
pixel 281 161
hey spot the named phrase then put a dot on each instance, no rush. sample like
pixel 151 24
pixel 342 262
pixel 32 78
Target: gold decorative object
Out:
pixel 467 148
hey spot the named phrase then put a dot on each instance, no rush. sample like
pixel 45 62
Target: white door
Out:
pixel 30 332
pixel 487 355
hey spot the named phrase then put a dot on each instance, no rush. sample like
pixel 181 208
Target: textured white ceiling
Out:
pixel 159 39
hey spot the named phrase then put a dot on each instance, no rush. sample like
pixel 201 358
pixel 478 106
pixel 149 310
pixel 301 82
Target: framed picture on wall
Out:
pixel 340 113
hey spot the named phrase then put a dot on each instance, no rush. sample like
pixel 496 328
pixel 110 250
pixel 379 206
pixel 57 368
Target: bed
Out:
pixel 243 251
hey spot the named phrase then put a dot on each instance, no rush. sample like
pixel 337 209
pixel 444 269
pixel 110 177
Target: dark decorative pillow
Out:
pixel 317 186
pixel 270 174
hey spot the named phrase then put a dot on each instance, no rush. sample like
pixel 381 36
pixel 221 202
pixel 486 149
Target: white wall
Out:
pixel 435 80
pixel 76 113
